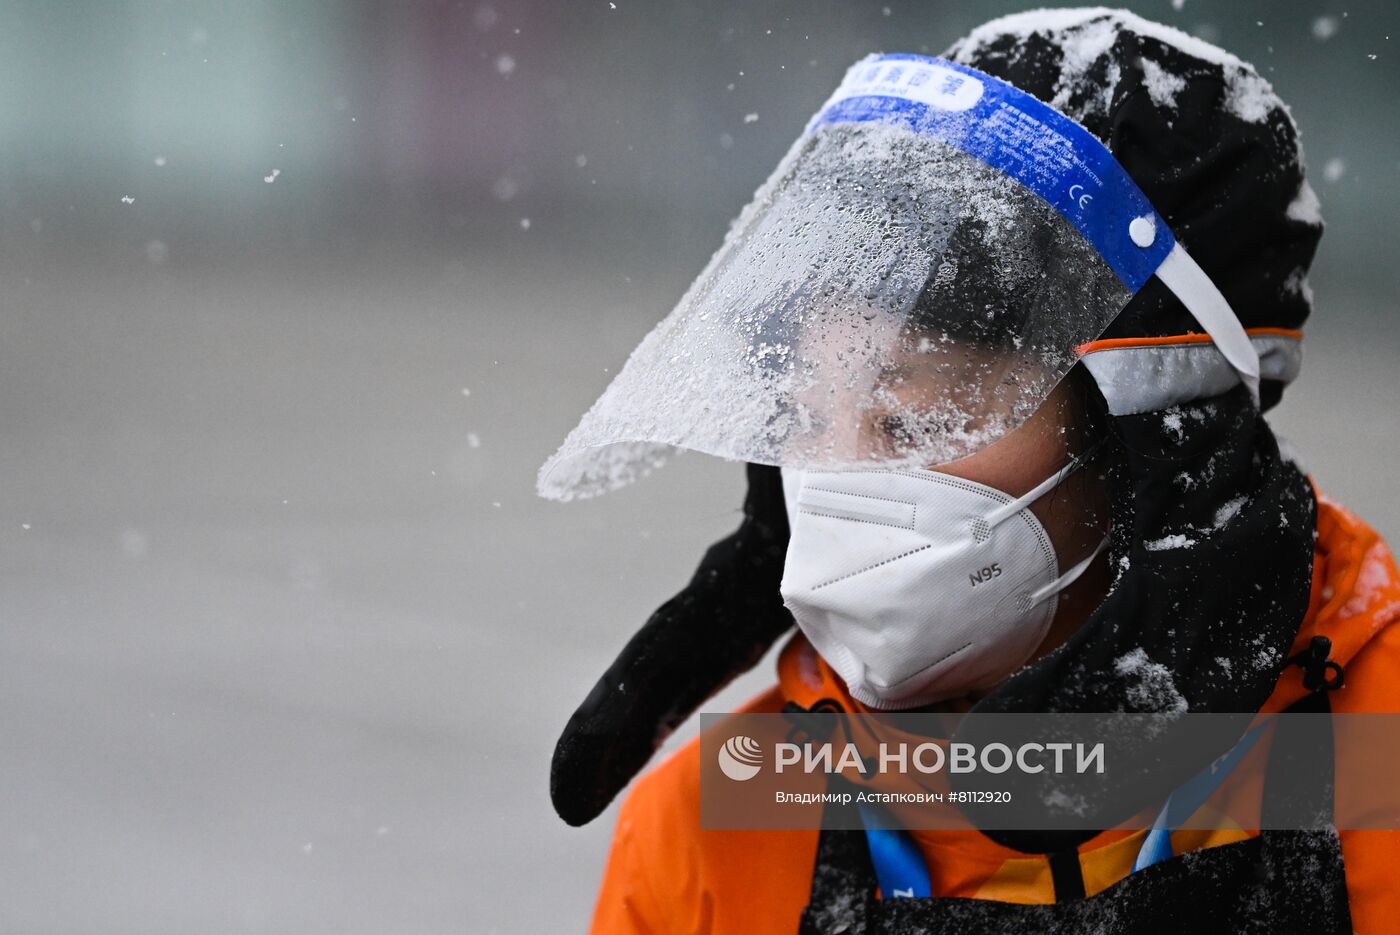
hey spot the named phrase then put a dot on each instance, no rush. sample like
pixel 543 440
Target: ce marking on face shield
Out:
pixel 1082 199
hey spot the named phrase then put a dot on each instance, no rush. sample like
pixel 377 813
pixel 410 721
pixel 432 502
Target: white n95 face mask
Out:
pixel 918 586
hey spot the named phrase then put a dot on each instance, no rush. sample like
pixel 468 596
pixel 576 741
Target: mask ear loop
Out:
pixel 1069 577
pixel 1002 513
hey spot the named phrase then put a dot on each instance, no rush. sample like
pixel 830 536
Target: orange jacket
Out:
pixel 666 876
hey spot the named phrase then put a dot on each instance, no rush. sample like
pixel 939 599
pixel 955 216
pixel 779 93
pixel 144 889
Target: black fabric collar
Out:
pixel 1212 548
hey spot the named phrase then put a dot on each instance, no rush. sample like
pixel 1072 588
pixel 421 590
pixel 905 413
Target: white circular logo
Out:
pixel 740 758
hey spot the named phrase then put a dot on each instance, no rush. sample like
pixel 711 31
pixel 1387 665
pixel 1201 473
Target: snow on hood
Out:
pixel 1086 33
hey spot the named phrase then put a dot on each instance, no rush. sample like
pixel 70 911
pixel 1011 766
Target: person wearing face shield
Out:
pixel 996 341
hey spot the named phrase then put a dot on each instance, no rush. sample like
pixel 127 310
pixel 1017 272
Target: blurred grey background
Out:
pixel 294 299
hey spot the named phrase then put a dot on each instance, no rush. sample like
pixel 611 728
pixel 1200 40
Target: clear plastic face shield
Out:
pixel 907 287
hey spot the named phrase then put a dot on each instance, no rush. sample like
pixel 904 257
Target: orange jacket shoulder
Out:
pixel 1356 600
pixel 668 876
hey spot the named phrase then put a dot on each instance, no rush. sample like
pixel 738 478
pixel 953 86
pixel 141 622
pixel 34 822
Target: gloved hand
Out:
pixel 718 627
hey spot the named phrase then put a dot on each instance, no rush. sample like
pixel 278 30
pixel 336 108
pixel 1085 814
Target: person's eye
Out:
pixel 895 429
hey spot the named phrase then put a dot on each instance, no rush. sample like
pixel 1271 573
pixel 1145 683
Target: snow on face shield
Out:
pixel 907 287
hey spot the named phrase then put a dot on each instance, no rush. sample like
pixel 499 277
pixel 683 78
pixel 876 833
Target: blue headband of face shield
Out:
pixel 1053 156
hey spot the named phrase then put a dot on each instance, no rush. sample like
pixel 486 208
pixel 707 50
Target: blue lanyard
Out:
pixel 903 874
pixel 899 864
pixel 1189 797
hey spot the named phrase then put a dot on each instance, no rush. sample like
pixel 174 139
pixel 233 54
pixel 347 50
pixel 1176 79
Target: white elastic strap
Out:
pixel 1001 513
pixel 1189 283
pixel 1069 577
pixel 1035 493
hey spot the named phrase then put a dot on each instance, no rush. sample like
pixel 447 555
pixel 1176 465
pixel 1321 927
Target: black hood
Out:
pixel 1212 529
pixel 1200 132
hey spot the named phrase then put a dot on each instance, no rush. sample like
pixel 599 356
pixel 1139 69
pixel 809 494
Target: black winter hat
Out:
pixel 1211 527
pixel 1203 135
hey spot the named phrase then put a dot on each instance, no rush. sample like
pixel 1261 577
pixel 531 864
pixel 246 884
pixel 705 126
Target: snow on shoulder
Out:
pixel 1087 33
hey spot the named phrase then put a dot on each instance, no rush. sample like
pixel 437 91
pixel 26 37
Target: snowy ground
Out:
pixel 285 639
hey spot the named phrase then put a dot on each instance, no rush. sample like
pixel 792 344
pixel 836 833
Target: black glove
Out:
pixel 718 627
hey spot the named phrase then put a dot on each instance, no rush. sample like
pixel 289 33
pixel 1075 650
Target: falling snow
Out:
pixel 504 188
pixel 1324 28
pixel 485 18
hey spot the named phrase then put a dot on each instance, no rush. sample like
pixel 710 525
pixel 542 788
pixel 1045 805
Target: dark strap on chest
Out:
pixel 1306 863
pixel 1067 874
